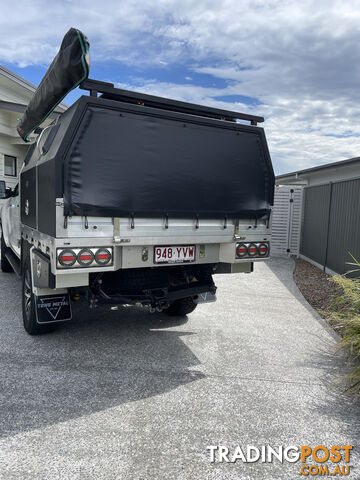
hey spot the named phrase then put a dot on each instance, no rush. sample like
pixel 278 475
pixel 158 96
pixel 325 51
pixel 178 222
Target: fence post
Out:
pixel 328 225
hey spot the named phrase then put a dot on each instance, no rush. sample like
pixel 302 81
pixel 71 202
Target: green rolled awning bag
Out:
pixel 69 68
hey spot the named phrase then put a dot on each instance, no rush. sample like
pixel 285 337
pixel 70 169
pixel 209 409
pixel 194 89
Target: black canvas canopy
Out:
pixel 135 160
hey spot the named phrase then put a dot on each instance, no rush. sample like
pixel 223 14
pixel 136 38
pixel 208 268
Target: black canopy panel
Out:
pixel 128 160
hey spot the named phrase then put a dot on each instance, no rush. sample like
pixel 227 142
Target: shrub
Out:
pixel 345 314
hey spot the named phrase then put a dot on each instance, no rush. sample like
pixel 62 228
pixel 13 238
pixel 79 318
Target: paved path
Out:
pixel 129 395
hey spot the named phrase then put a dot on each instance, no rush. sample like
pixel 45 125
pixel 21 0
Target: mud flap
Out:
pixel 206 297
pixel 53 308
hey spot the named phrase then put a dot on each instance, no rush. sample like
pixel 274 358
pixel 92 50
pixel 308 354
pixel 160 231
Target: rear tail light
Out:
pixel 246 250
pixel 241 250
pixel 67 258
pixel 263 249
pixel 102 256
pixel 84 257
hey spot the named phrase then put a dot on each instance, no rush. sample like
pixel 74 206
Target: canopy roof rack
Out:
pixel 108 91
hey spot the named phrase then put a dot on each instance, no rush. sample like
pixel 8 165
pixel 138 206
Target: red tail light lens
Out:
pixel 252 250
pixel 85 257
pixel 263 249
pixel 241 250
pixel 67 258
pixel 103 256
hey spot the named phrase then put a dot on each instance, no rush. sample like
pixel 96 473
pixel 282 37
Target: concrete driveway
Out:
pixel 130 395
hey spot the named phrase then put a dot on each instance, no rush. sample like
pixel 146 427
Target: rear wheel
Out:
pixel 28 305
pixel 181 307
pixel 5 264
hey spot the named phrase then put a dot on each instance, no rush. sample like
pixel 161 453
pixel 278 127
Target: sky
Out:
pixel 297 63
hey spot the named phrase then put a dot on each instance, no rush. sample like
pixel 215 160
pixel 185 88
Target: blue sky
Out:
pixel 295 63
pixel 119 72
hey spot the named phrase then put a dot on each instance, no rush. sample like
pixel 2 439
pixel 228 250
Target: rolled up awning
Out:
pixel 68 69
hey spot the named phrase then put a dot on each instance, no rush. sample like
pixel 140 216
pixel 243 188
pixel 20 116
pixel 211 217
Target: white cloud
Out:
pixel 300 59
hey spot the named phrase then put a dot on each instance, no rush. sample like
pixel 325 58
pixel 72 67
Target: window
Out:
pixel 9 166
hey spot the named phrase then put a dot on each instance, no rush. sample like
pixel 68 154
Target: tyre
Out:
pixel 28 305
pixel 181 307
pixel 5 264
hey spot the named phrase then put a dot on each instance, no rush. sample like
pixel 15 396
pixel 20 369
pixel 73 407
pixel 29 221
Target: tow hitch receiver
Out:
pixel 53 308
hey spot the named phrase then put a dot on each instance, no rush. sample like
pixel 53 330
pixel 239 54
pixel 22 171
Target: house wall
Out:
pixel 18 151
pixel 8 135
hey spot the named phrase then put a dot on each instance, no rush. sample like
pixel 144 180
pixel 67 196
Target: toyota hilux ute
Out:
pixel 133 199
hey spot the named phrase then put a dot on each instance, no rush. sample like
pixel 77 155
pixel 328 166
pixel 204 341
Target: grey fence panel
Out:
pixel 344 226
pixel 315 222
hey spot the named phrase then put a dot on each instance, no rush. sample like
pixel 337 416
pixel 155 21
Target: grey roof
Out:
pixel 24 83
pixel 20 108
pixel 327 166
pixel 16 78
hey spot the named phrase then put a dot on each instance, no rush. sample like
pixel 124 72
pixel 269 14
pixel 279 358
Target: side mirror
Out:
pixel 3 190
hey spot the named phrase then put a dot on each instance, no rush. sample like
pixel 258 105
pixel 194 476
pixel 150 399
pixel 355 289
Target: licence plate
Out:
pixel 174 254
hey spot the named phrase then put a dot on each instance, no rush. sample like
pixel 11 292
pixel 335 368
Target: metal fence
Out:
pixel 331 224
